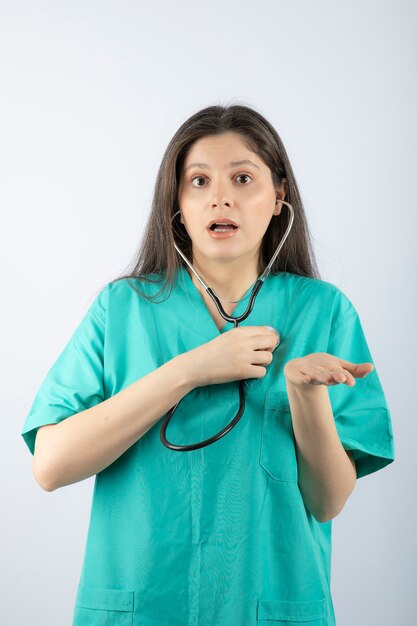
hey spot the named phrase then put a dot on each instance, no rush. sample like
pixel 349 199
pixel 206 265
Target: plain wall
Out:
pixel 91 93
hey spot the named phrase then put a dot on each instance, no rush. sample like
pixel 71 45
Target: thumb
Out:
pixel 363 369
pixel 277 334
pixel 358 370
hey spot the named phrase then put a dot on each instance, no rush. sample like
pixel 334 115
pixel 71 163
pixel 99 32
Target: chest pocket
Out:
pixel 103 607
pixel 277 454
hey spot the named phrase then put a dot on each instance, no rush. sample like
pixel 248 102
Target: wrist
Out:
pixel 186 371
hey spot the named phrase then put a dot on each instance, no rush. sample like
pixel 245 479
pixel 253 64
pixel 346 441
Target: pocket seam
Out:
pixel 105 599
pixel 275 610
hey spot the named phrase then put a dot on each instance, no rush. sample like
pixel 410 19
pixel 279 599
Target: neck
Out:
pixel 229 281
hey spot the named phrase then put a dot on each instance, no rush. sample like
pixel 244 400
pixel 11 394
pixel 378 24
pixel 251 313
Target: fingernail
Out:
pixel 277 334
pixel 275 331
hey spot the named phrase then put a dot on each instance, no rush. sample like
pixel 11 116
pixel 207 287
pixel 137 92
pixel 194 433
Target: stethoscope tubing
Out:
pixel 236 320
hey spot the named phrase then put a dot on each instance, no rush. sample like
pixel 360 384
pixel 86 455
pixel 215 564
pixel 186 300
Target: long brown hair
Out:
pixel 157 255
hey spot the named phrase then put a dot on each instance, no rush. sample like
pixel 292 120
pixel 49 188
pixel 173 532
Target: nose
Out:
pixel 224 202
pixel 220 196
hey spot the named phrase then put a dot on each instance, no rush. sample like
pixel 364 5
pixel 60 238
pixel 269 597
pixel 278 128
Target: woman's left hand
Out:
pixel 320 368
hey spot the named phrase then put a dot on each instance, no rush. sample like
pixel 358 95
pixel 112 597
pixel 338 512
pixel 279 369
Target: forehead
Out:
pixel 218 147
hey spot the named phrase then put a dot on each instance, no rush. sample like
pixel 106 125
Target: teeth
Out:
pixel 215 226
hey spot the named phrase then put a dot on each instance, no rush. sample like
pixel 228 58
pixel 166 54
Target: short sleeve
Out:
pixel 75 381
pixel 362 417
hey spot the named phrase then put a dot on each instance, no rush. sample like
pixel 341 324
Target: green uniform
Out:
pixel 218 536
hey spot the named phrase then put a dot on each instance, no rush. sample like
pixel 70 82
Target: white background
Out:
pixel 91 93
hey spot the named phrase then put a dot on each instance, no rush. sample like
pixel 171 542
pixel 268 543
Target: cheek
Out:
pixel 255 224
pixel 186 205
pixel 190 222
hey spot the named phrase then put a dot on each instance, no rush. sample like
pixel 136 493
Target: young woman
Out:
pixel 237 531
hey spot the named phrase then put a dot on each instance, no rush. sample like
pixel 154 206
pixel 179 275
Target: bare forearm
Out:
pixel 327 475
pixel 86 443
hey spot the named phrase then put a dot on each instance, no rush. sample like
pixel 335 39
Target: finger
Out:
pixel 323 374
pixel 302 376
pixel 316 376
pixel 343 376
pixel 330 377
pixel 266 341
pixel 364 369
pixel 261 357
pixel 339 376
pixel 359 370
pixel 320 378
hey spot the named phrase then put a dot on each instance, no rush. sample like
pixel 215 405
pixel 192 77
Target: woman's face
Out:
pixel 212 187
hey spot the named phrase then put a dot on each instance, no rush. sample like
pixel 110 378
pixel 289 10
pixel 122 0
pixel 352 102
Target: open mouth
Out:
pixel 222 228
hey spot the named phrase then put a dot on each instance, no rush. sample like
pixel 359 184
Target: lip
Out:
pixel 223 220
pixel 226 235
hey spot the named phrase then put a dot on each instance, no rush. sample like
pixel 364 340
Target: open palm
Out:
pixel 321 368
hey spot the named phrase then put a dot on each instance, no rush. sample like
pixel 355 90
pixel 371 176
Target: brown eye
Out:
pixel 197 178
pixel 202 178
pixel 244 176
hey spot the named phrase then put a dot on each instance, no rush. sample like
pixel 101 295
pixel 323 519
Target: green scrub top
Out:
pixel 218 536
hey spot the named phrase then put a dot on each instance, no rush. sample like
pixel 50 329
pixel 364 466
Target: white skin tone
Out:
pixel 243 193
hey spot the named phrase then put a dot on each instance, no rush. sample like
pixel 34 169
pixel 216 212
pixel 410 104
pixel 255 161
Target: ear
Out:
pixel 280 193
pixel 282 190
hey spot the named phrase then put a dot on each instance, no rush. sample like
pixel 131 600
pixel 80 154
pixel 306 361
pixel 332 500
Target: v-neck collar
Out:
pixel 198 320
pixel 240 308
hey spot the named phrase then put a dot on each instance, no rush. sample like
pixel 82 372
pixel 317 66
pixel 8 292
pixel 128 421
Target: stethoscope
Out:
pixel 255 290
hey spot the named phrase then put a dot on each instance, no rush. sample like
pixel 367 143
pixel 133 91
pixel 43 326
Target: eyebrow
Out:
pixel 231 164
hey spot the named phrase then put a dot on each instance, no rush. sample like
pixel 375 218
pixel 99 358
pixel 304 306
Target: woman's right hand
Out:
pixel 239 353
